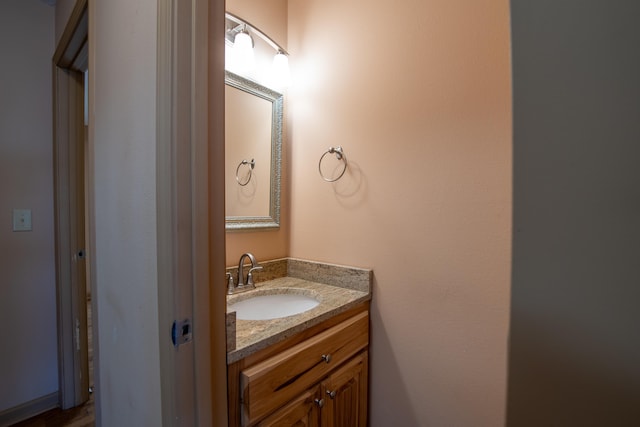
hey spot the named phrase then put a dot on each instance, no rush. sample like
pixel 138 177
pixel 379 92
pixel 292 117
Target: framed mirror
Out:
pixel 253 153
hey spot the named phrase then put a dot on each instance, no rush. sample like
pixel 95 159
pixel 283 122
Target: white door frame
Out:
pixel 190 211
pixel 69 62
pixel 190 208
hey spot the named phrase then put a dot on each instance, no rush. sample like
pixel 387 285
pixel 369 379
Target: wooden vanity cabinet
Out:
pixel 339 401
pixel 345 394
pixel 316 378
pixel 302 411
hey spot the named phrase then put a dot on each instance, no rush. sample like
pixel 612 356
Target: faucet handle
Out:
pixel 230 285
pixel 250 275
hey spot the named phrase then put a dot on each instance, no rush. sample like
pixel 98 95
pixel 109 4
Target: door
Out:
pixel 345 394
pixel 300 412
pixel 188 85
pixel 69 63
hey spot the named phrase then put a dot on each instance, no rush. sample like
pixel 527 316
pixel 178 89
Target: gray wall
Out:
pixel 575 318
pixel 28 347
pixel 122 161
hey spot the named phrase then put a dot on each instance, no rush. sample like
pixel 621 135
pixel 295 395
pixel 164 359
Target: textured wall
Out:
pixel 418 94
pixel 28 359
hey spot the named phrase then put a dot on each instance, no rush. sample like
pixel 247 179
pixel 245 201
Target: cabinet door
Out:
pixel 345 394
pixel 302 411
pixel 271 383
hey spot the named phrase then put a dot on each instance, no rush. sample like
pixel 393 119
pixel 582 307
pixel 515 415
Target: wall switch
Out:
pixel 22 220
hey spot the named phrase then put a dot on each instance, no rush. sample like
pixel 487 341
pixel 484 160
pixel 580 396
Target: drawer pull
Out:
pixel 319 402
pixel 279 378
pixel 332 394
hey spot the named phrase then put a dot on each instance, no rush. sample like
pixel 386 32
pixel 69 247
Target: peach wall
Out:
pixel 271 17
pixel 247 187
pixel 418 94
pixel 28 346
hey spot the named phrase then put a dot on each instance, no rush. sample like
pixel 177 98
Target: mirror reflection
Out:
pixel 253 144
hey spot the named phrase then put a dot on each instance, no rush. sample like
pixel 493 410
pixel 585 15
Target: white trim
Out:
pixel 29 409
pixel 68 152
pixel 182 208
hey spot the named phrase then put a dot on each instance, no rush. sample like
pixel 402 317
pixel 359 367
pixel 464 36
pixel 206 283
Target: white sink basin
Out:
pixel 264 307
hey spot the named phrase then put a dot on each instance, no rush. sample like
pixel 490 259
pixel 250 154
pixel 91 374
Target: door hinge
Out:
pixel 181 332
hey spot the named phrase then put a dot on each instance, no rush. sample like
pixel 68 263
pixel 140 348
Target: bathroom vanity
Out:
pixel 309 368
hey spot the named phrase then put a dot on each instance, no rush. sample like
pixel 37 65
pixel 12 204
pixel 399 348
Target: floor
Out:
pixel 81 416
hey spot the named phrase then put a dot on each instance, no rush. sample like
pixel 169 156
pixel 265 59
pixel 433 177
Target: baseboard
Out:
pixel 28 409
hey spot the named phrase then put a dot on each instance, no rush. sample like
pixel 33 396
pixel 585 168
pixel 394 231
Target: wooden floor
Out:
pixel 80 416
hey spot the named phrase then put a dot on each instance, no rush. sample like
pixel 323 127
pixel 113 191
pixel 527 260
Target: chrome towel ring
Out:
pixel 339 152
pixel 251 164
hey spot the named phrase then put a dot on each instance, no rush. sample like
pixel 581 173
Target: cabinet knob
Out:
pixel 319 402
pixel 332 394
pixel 326 358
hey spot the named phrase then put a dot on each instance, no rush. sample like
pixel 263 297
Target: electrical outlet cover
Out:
pixel 22 220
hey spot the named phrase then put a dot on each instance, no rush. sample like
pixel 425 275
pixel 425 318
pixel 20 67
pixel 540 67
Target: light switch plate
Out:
pixel 22 220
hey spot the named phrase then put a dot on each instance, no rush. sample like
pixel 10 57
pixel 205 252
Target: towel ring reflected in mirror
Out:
pixel 249 173
pixel 249 105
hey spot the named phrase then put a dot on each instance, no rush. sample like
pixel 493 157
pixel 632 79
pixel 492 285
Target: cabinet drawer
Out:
pixel 271 383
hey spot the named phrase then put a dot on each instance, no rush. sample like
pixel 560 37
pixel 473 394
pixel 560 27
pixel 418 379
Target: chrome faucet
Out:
pixel 231 287
pixel 254 267
pixel 242 286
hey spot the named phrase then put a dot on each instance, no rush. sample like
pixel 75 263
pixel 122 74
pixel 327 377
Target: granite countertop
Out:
pixel 337 288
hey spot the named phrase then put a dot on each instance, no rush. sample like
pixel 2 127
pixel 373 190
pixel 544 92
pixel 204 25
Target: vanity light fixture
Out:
pixel 280 74
pixel 240 58
pixel 244 60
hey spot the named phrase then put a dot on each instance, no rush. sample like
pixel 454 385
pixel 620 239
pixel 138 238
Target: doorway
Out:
pixel 70 63
pixel 181 180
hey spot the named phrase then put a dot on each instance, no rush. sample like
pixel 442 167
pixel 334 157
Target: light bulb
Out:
pixel 244 60
pixel 280 74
